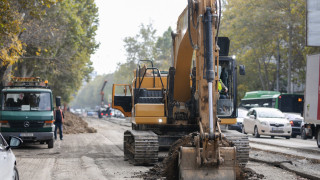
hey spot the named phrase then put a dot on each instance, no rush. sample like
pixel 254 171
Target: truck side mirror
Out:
pixel 242 70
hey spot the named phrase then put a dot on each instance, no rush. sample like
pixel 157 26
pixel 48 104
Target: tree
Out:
pixel 258 31
pixel 145 46
pixel 163 50
pixel 12 15
pixel 58 38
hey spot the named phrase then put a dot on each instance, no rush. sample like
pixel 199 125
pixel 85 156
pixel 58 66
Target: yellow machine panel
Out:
pixel 151 120
pixel 149 110
pixel 228 121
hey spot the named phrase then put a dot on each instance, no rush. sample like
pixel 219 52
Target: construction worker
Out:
pixel 222 90
pixel 59 115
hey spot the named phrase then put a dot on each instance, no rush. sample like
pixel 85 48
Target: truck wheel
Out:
pixel 303 134
pixel 256 132
pixel 318 138
pixel 50 143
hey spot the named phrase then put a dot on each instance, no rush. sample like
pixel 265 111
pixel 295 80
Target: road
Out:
pixel 100 156
pixel 79 156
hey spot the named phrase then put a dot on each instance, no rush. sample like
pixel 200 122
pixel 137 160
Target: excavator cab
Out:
pixel 122 98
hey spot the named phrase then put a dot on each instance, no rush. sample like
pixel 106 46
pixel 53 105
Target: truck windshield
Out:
pixel 26 101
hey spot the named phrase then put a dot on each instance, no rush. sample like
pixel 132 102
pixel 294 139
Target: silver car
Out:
pixel 266 121
pixel 8 169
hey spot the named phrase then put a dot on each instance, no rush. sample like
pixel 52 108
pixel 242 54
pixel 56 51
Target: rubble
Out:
pixel 74 124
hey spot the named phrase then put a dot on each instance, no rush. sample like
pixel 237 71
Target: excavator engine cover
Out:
pixel 189 169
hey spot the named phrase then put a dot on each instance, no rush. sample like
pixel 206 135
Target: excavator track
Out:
pixel 141 147
pixel 241 142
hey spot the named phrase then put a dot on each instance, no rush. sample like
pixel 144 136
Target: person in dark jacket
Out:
pixel 59 115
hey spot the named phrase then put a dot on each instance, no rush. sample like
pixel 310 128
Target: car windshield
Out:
pixel 270 113
pixel 26 101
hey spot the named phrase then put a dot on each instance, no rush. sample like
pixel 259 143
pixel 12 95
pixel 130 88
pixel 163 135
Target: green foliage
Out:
pixel 12 14
pixel 258 31
pixel 144 46
pixel 58 38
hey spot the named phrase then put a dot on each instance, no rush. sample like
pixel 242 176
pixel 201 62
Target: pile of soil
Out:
pixel 73 124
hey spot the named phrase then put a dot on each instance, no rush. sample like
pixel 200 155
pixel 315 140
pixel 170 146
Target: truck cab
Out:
pixel 26 111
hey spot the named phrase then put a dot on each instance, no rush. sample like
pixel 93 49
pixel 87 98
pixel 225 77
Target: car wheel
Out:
pixel 256 132
pixel 50 143
pixel 303 134
pixel 287 137
pixel 293 135
pixel 318 138
pixel 15 173
pixel 243 130
pixel 272 137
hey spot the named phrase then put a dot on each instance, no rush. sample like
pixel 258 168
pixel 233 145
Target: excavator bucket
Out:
pixel 189 169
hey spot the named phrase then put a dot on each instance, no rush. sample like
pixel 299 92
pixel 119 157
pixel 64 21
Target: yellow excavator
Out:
pixel 197 94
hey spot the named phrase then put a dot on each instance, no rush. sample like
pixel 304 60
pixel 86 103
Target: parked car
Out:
pixel 266 121
pixel 242 113
pixel 119 114
pixel 91 113
pixel 295 121
pixel 8 169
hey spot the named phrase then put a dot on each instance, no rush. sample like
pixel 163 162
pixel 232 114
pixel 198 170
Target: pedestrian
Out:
pixel 59 115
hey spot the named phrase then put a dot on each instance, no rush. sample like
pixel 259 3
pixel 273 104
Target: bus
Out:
pixel 287 103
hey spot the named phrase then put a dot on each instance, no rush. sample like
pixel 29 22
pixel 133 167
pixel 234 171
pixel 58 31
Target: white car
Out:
pixel 8 169
pixel 266 121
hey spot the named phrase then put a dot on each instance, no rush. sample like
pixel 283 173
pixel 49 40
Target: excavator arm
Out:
pixel 196 52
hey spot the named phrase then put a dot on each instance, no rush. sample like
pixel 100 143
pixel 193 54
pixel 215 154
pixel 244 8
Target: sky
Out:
pixel 121 18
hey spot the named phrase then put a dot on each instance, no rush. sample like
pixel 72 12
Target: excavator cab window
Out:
pixel 226 87
pixel 122 98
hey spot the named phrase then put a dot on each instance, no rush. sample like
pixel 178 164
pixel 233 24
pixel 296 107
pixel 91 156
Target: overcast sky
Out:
pixel 121 18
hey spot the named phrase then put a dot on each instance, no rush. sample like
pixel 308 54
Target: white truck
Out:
pixel 311 127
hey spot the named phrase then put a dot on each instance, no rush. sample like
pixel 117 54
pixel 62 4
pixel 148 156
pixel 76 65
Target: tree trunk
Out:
pixel 278 65
pixel 266 74
pixel 289 90
pixel 260 75
pixel 3 69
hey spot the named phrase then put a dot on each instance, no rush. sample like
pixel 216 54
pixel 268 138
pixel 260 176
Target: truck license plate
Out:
pixel 26 134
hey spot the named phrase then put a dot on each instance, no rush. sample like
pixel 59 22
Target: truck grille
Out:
pixel 26 124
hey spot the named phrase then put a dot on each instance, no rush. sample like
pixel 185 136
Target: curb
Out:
pixel 286 166
pixel 287 154
pixel 263 143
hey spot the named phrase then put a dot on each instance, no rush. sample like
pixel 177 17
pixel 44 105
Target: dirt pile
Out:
pixel 73 124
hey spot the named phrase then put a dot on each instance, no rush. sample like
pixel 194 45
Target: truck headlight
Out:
pixel 4 124
pixel 160 120
pixel 48 124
